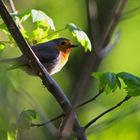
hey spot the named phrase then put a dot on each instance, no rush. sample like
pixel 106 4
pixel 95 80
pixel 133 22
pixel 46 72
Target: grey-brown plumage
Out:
pixel 52 54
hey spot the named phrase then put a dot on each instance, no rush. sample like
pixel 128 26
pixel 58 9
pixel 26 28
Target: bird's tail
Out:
pixel 9 60
pixel 14 62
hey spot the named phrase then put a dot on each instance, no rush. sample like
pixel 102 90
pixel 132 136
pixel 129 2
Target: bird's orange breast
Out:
pixel 62 59
pixel 64 56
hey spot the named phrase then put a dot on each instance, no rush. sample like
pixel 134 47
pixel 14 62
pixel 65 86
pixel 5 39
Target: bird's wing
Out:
pixel 45 52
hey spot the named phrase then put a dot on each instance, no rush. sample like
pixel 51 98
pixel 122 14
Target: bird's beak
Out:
pixel 73 46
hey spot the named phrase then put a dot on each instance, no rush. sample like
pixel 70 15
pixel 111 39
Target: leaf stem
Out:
pixel 130 13
pixel 12 6
pixel 89 100
pixel 63 115
pixel 45 123
pixel 40 70
pixel 105 112
pixel 55 32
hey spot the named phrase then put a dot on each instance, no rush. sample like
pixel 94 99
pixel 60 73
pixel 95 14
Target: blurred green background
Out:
pixel 19 91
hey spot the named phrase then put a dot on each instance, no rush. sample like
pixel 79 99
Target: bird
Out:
pixel 52 54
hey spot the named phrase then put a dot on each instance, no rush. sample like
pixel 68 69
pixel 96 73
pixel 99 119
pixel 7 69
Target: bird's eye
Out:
pixel 63 43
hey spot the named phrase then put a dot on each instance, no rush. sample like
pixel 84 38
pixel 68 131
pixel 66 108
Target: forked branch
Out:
pixel 50 84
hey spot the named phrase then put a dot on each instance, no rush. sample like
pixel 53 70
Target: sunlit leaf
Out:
pixel 38 35
pixel 132 83
pixel 4 28
pixel 2 46
pixel 10 136
pixel 128 78
pixel 42 18
pixel 51 37
pixel 80 36
pixel 25 17
pixel 108 81
pixel 24 33
pixel 25 119
pixel 12 132
pixel 97 75
pixel 12 44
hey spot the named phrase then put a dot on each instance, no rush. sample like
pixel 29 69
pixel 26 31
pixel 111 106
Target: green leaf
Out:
pixel 25 17
pixel 11 136
pixel 25 119
pixel 97 75
pixel 39 34
pixel 108 81
pixel 43 19
pixel 133 90
pixel 24 33
pixel 129 79
pixel 80 36
pixel 132 83
pixel 2 46
pixel 4 28
pixel 12 132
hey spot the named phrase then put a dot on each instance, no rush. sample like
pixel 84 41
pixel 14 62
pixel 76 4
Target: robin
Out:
pixel 52 54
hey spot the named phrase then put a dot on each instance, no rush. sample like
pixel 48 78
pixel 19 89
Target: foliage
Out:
pixel 111 81
pixel 80 36
pixel 123 57
pixel 44 25
pixel 25 119
pixel 132 83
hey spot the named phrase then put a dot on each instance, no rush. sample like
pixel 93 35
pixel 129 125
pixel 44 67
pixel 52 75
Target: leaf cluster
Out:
pixel 111 81
pixel 44 30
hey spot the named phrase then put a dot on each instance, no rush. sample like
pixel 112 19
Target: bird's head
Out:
pixel 64 45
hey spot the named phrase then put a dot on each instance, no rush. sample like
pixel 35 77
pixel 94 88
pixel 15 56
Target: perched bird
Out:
pixel 52 54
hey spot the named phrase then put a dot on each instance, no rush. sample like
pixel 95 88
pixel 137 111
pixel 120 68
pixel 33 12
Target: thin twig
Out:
pixel 114 21
pixel 110 45
pixel 130 13
pixel 57 31
pixel 50 84
pixel 52 120
pixel 85 80
pixel 89 100
pixel 14 13
pixel 105 112
pixel 63 115
pixel 101 42
pixel 12 6
pixel 100 127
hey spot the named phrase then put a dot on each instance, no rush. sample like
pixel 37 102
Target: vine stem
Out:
pixel 105 112
pixel 40 70
pixel 13 9
pixel 62 115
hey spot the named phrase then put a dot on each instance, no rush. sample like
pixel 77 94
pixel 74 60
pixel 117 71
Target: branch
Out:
pixel 105 112
pixel 40 70
pixel 100 41
pixel 52 120
pixel 89 66
pixel 63 115
pixel 50 127
pixel 117 13
pixel 100 127
pixel 130 13
pixel 90 100
pixel 105 51
pixel 12 6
